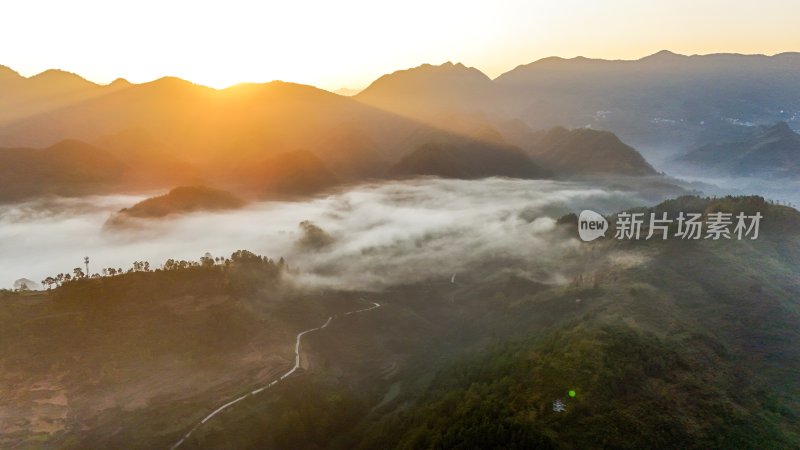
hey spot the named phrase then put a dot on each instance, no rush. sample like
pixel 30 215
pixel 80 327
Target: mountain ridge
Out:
pixel 69 167
pixel 772 151
pixel 587 151
pixel 450 64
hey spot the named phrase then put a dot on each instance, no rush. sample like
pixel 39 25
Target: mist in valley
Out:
pixel 365 238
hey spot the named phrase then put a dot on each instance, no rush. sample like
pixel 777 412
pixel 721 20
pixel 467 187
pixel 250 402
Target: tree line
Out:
pixel 239 257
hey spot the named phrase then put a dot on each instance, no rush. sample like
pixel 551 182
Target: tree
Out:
pixel 207 260
pixel 244 256
pixel 50 281
pixel 78 272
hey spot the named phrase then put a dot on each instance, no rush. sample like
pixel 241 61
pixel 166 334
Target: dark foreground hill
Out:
pixel 652 344
pixel 137 347
pixel 645 344
pixel 672 353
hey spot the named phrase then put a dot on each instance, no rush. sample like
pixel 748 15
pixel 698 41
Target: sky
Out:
pixel 349 43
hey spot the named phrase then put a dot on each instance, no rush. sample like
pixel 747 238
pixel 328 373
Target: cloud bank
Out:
pixel 375 235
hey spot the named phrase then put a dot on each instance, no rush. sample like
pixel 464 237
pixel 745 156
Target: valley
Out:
pixel 276 266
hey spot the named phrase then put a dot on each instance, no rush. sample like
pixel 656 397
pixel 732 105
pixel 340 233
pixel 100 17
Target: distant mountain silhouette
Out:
pixel 451 160
pixel 294 173
pixel 771 151
pixel 664 100
pixel 22 97
pixel 346 92
pixel 182 199
pixel 352 155
pixel 585 151
pixel 151 161
pixel 661 99
pixel 429 91
pixel 172 131
pixel 69 167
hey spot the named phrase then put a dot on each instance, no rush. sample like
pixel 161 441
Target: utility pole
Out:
pixel 86 261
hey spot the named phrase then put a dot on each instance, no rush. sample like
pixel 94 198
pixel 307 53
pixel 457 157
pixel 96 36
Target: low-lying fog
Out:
pixel 372 235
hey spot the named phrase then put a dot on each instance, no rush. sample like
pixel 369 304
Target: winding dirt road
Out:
pixel 274 382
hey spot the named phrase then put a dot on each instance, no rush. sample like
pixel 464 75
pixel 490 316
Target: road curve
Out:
pixel 272 383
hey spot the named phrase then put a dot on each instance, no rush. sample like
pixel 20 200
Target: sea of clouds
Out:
pixel 375 235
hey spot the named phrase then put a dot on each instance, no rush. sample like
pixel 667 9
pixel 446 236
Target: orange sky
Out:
pixel 348 43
